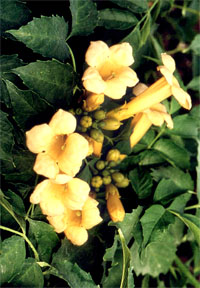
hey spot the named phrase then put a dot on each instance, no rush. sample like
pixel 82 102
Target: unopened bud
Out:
pixel 100 165
pixel 107 180
pixel 110 124
pixel 86 121
pixel 99 115
pixel 78 111
pixel 97 135
pixel 114 204
pixel 113 155
pixel 117 177
pixel 96 181
pixel 123 184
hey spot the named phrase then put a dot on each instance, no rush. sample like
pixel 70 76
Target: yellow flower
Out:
pixel 114 204
pixel 108 70
pixel 92 101
pixel 78 222
pixel 55 198
pixel 60 151
pixel 95 147
pixel 156 93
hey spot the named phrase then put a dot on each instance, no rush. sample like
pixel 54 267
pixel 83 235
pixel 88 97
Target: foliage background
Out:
pixel 157 243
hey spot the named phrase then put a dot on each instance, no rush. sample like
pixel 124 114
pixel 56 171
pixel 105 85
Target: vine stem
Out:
pixel 25 238
pixel 156 138
pixel 186 272
pixel 72 56
pixel 186 9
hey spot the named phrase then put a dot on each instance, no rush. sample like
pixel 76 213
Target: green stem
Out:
pixel 72 56
pixel 156 138
pixel 192 207
pixel 187 273
pixel 25 238
pixel 186 9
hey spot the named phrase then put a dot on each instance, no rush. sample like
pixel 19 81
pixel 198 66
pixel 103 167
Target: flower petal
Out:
pixel 115 89
pixel 122 54
pixel 38 138
pixel 166 73
pixel 45 165
pixel 182 97
pixel 77 235
pixel 168 62
pixel 93 101
pixel 127 76
pixel 168 120
pixel 92 81
pixel 63 123
pixel 62 179
pixel 155 117
pixel 97 53
pixel 59 222
pixel 35 197
pixel 139 88
pixel 90 214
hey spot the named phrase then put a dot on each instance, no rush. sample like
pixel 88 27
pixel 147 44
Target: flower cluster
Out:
pixel 62 197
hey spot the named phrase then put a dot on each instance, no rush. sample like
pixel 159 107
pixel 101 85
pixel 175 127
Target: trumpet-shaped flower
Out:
pixel 95 147
pixel 156 93
pixel 114 204
pixel 60 151
pixel 55 198
pixel 78 222
pixel 108 70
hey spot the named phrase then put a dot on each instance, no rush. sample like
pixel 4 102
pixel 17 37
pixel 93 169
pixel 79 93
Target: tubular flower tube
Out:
pixel 55 198
pixel 156 93
pixel 92 101
pixel 79 221
pixel 95 147
pixel 60 151
pixel 108 70
pixel 156 115
pixel 114 204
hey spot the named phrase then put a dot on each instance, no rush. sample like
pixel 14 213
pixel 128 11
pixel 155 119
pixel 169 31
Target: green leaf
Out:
pixel 30 275
pixel 141 183
pixel 150 219
pixel 134 39
pixel 145 31
pixel 150 157
pixel 126 261
pixel 194 84
pixel 173 153
pixel 84 17
pixel 13 14
pixel 156 258
pixel 43 237
pixel 11 258
pixel 16 202
pixel 46 36
pixel 195 45
pixel 180 202
pixel 53 80
pixel 136 6
pixel 192 222
pixel 129 223
pixel 27 106
pixel 116 19
pixel 72 274
pixel 7 138
pixel 9 62
pixel 4 95
pixel 110 252
pixel 12 208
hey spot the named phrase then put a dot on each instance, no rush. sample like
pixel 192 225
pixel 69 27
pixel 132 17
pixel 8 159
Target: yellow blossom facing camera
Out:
pixel 114 204
pixel 81 221
pixel 60 151
pixel 108 70
pixel 55 198
pixel 156 93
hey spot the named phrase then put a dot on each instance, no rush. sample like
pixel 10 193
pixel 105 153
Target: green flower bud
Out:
pixel 78 111
pixel 123 184
pixel 112 164
pixel 81 129
pixel 100 165
pixel 86 121
pixel 107 180
pixel 71 111
pixel 97 135
pixel 96 181
pixel 105 173
pixel 99 115
pixel 113 155
pixel 117 177
pixel 110 124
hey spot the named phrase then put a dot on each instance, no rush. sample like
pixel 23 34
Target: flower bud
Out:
pixel 100 165
pixel 117 177
pixel 107 180
pixel 97 135
pixel 112 164
pixel 114 205
pixel 105 173
pixel 96 181
pixel 113 155
pixel 123 184
pixel 99 115
pixel 110 124
pixel 78 111
pixel 86 121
